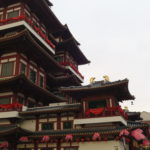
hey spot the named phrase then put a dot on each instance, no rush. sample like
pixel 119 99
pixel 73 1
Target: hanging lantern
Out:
pixel 124 132
pixel 45 138
pixel 4 145
pixel 24 139
pixel 69 137
pixel 96 136
pixel 138 134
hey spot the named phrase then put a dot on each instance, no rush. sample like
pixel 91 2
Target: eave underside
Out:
pixel 119 89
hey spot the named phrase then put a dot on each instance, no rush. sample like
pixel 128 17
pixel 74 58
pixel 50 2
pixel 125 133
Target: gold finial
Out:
pixel 106 78
pixel 92 79
pixel 126 108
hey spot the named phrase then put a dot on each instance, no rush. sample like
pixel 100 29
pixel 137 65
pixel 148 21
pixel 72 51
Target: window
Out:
pixel 97 104
pixel 48 126
pixel 59 58
pixel 7 69
pixel 13 14
pixel 71 148
pixel 67 125
pixel 23 68
pixel 5 100
pixel 41 81
pixel 20 100
pixel 32 75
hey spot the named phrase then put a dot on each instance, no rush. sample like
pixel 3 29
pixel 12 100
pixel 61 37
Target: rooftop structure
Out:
pixel 43 105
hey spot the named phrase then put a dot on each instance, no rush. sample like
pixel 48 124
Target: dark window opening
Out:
pixel 23 68
pixel 67 125
pixel 97 104
pixel 5 100
pixel 33 76
pixel 13 14
pixel 48 126
pixel 41 81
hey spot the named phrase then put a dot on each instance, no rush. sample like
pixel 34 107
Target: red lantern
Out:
pixel 124 132
pixel 96 136
pixel 4 145
pixel 138 134
pixel 45 138
pixel 69 137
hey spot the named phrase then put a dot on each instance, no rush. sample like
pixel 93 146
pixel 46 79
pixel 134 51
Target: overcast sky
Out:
pixel 115 37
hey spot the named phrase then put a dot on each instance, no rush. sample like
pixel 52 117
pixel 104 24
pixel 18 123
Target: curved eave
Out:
pixel 88 131
pixel 119 88
pixel 25 113
pixel 68 80
pixel 26 36
pixel 71 46
pixel 9 130
pixel 21 83
pixel 42 9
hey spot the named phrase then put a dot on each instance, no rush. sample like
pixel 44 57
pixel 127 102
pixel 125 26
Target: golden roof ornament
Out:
pixel 106 78
pixel 92 80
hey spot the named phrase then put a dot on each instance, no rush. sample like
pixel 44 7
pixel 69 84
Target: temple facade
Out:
pixel 43 105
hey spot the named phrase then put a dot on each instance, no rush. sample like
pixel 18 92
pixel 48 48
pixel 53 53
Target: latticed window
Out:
pixel 7 69
pixel 33 76
pixel 67 125
pixel 97 104
pixel 12 14
pixel 5 100
pixel 48 126
pixel 23 68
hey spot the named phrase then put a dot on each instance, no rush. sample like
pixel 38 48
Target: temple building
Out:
pixel 43 104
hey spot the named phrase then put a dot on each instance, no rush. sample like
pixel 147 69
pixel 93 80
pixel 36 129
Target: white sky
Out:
pixel 115 36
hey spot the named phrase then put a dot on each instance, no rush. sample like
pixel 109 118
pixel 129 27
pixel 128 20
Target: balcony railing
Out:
pixel 11 107
pixel 30 22
pixel 104 112
pixel 73 67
